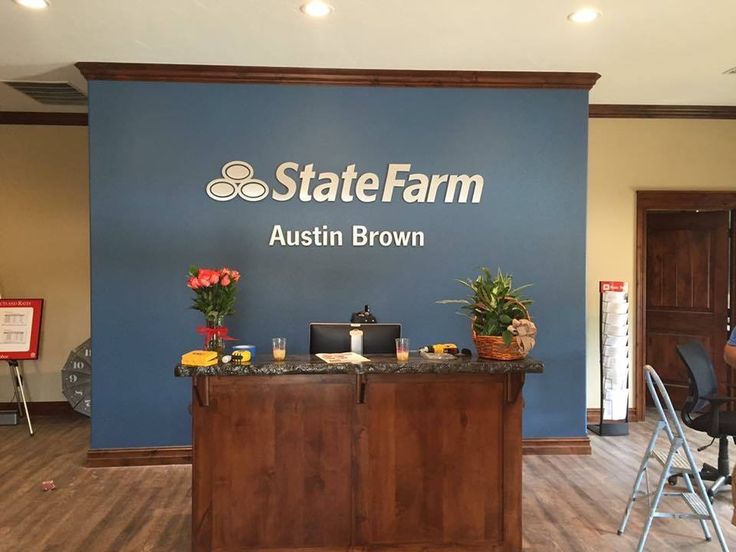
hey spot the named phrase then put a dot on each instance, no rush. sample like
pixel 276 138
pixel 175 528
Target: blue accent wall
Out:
pixel 155 146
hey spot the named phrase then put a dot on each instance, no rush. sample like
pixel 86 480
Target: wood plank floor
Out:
pixel 104 509
pixel 571 503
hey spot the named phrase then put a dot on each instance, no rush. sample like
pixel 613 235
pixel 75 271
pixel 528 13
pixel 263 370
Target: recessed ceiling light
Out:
pixel 584 15
pixel 316 8
pixel 33 4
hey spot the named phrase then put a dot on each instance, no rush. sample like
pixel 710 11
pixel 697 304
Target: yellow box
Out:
pixel 199 358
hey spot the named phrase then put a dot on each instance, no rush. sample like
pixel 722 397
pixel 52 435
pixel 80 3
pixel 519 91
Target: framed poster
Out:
pixel 20 328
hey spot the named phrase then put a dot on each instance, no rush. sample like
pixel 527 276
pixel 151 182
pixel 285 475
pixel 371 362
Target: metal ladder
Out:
pixel 676 458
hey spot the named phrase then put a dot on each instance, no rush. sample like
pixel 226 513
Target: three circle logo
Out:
pixel 237 180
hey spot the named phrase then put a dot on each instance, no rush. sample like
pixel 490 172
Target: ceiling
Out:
pixel 669 52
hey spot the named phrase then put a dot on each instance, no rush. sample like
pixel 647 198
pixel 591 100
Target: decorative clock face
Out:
pixel 76 378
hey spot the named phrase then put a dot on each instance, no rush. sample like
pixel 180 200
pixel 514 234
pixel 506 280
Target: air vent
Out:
pixel 731 71
pixel 50 93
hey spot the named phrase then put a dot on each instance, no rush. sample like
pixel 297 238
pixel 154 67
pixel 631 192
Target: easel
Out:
pixel 19 393
pixel 22 327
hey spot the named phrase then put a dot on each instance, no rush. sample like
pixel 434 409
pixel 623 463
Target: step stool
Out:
pixel 675 458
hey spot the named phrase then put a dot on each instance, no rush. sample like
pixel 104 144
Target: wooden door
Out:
pixel 272 463
pixel 687 267
pixel 731 310
pixel 433 456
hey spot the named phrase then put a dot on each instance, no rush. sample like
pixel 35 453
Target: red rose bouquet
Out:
pixel 215 291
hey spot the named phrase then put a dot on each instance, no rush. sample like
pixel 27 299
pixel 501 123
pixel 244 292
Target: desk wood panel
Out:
pixel 272 464
pixel 430 462
pixel 377 461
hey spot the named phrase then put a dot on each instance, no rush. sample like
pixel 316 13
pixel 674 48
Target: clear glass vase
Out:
pixel 215 342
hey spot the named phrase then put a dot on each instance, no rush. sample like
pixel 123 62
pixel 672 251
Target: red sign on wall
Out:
pixel 20 328
pixel 610 285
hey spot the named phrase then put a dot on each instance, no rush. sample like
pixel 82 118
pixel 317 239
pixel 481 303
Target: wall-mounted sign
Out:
pixel 304 183
pixel 360 236
pixel 20 328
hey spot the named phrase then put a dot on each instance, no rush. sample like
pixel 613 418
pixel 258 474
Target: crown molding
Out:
pixel 42 118
pixel 629 111
pixel 340 77
pixel 596 111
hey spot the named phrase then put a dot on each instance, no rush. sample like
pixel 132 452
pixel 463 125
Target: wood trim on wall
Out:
pixel 640 400
pixel 158 456
pixel 619 111
pixel 594 415
pixel 557 445
pixel 343 77
pixel 674 200
pixel 149 456
pixel 43 408
pixel 630 111
pixel 731 389
pixel 661 200
pixel 42 118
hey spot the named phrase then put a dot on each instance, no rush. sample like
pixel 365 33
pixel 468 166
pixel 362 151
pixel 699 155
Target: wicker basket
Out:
pixel 492 347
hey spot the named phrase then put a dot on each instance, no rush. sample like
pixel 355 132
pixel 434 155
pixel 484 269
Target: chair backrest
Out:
pixel 702 378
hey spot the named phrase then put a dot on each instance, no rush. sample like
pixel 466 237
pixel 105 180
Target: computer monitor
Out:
pixel 335 338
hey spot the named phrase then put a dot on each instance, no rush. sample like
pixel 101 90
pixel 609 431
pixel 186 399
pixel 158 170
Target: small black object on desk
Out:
pixel 363 317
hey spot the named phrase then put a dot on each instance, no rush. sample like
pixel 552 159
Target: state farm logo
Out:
pixel 237 180
pixel 305 183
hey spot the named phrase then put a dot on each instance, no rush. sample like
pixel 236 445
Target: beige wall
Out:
pixel 44 242
pixel 626 155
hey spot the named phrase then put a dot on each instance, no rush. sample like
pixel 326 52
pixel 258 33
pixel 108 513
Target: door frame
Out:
pixel 665 200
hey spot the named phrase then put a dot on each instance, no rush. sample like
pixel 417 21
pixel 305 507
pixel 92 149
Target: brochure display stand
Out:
pixel 614 360
pixel 20 332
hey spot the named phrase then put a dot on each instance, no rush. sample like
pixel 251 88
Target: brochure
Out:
pixel 340 358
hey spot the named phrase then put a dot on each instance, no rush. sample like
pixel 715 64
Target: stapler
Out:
pixel 439 348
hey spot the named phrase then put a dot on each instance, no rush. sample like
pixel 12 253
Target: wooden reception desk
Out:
pixel 304 455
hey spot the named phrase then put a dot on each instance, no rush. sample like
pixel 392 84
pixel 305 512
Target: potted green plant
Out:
pixel 501 326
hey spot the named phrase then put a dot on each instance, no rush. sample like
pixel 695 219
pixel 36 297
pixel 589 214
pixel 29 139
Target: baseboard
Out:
pixel 43 408
pixel 557 445
pixel 108 458
pixel 594 415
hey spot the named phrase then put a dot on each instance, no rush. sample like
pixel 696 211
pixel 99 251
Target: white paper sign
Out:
pixel 15 329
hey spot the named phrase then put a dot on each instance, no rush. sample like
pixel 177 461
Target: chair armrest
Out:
pixel 717 401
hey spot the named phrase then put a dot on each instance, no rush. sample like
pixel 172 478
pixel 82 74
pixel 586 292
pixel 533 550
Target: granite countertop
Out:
pixel 379 364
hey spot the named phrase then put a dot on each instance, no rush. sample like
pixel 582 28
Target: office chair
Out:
pixel 702 411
